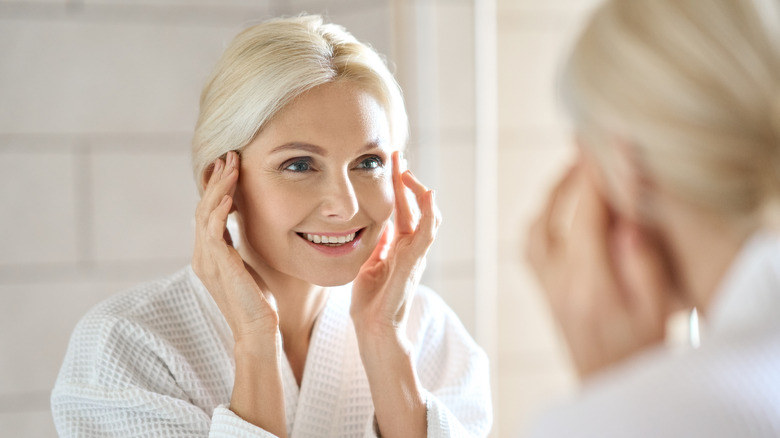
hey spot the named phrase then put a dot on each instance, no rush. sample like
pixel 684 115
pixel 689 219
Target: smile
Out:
pixel 333 244
pixel 330 239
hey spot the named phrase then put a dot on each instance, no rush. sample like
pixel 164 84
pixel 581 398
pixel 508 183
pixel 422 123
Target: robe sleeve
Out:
pixel 113 383
pixel 454 372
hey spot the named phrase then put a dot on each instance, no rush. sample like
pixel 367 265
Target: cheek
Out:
pixel 268 204
pixel 377 198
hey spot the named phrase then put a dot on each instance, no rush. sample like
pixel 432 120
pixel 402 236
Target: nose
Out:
pixel 339 201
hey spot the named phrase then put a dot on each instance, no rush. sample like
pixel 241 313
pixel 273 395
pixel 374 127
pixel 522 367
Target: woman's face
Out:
pixel 318 172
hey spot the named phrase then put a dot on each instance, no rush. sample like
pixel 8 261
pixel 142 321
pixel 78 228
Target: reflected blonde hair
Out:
pixel 268 65
pixel 693 87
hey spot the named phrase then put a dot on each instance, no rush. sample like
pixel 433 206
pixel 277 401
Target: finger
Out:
pixel 429 221
pixel 202 211
pixel 414 184
pixel 222 182
pixel 430 216
pixel 592 212
pixel 232 171
pixel 591 228
pixel 644 276
pixel 404 218
pixel 215 230
pixel 553 215
pixel 546 239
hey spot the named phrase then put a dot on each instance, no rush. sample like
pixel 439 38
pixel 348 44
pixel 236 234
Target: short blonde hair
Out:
pixel 694 87
pixel 268 65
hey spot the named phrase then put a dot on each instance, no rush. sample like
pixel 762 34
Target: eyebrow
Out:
pixel 319 150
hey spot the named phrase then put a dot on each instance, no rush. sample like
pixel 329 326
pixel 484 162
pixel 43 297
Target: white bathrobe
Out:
pixel 158 361
pixel 729 387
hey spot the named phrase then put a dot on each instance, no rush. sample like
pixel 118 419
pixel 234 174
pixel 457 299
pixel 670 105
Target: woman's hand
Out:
pixel 228 279
pixel 605 278
pixel 383 289
pixel 381 295
pixel 257 396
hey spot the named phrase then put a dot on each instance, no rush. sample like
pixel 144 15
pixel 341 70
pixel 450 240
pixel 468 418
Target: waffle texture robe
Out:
pixel 158 361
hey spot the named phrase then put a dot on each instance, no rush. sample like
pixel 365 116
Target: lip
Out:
pixel 336 251
pixel 343 233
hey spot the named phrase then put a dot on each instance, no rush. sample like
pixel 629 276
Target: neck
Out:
pixel 702 247
pixel 298 303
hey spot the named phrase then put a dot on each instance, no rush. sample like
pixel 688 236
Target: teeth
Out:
pixel 316 238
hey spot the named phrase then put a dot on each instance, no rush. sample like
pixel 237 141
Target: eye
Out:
pixel 297 165
pixel 371 162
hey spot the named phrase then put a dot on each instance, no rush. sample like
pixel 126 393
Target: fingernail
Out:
pixel 217 165
pixel 433 196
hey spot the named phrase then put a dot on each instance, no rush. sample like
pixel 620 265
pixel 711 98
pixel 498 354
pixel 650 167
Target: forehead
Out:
pixel 339 117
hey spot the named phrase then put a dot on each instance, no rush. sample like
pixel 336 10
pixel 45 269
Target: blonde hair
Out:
pixel 268 65
pixel 694 88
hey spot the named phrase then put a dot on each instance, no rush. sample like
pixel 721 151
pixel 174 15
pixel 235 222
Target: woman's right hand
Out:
pixel 606 279
pixel 258 394
pixel 231 282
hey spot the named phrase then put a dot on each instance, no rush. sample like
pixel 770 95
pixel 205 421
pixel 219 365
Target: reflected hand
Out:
pixel 605 277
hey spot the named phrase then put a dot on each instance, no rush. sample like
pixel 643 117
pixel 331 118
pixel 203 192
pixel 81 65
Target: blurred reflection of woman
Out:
pixel 672 203
pixel 313 323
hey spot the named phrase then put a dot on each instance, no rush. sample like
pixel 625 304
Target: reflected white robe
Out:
pixel 158 361
pixel 728 387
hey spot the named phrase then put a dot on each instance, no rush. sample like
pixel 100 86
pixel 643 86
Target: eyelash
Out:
pixel 308 162
pixel 297 161
pixel 374 158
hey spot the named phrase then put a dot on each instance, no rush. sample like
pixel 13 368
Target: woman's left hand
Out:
pixel 383 289
pixel 381 296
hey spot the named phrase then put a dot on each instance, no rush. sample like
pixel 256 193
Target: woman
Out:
pixel 671 204
pixel 308 320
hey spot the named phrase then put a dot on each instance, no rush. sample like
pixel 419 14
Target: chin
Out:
pixel 331 277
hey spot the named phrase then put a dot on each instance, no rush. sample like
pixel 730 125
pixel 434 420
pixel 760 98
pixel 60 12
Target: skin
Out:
pixel 612 276
pixel 324 164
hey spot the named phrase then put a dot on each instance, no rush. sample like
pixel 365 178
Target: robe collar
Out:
pixel 748 298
